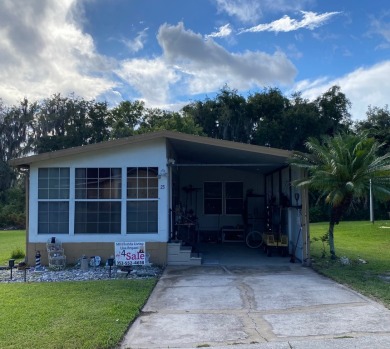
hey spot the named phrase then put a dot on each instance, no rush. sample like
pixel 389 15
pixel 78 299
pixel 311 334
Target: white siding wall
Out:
pixel 151 154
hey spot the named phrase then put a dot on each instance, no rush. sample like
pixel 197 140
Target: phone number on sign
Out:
pixel 127 263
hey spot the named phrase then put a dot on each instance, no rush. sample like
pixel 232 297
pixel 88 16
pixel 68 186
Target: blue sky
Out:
pixel 169 53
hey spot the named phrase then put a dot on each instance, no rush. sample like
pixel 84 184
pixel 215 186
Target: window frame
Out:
pixel 51 217
pixel 223 208
pixel 142 196
pixel 98 200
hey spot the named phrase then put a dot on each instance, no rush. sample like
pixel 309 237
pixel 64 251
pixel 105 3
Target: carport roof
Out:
pixel 190 150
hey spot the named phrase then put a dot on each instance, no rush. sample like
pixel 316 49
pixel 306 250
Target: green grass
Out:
pixel 66 315
pixel 79 315
pixel 356 240
pixel 10 241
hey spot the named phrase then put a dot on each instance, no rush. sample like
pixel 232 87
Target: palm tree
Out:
pixel 341 168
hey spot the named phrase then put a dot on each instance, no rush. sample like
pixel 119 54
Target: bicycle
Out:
pixel 254 239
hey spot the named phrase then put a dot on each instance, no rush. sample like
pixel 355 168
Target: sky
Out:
pixel 169 53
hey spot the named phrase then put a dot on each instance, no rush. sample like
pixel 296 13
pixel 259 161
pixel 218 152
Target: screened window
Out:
pixel 98 183
pixel 142 200
pixel 142 216
pixel 213 197
pixel 98 194
pixel 53 200
pixel 234 197
pixel 142 183
pixel 53 183
pixel 223 198
pixel 93 217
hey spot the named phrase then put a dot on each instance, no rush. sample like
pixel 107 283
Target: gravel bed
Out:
pixel 76 274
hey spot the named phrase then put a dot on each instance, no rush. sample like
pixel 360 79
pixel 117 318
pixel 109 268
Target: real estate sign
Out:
pixel 129 253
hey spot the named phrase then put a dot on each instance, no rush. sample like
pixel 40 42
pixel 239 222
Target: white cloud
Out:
pixel 250 11
pixel 206 66
pixel 310 20
pixel 247 11
pixel 137 43
pixel 381 27
pixel 222 32
pixel 151 78
pixel 363 87
pixel 44 51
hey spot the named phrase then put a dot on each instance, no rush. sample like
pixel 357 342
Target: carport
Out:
pixel 222 190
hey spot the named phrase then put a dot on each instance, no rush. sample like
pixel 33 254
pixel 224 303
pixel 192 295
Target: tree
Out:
pixel 341 168
pixel 267 109
pixel 377 125
pixel 234 123
pixel 300 121
pixel 65 122
pixel 125 118
pixel 334 107
pixel 204 114
pixel 15 137
pixel 157 120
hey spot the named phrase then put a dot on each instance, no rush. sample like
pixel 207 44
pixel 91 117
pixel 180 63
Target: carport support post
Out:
pixel 305 226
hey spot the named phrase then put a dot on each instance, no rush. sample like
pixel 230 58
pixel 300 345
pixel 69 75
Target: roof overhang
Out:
pixel 189 150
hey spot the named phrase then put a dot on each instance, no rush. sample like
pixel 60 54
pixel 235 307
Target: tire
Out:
pixel 254 239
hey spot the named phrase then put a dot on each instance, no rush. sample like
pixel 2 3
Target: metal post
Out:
pixel 371 205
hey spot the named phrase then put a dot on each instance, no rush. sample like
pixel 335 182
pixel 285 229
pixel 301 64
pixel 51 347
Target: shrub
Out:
pixel 18 253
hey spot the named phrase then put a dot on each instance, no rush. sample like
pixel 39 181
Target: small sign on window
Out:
pixel 129 253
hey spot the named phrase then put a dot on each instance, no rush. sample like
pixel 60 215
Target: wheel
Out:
pixel 254 239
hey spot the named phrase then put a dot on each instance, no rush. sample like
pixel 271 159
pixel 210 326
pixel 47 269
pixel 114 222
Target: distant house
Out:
pixel 156 188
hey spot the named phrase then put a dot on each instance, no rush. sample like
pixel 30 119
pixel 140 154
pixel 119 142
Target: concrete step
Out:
pixel 182 255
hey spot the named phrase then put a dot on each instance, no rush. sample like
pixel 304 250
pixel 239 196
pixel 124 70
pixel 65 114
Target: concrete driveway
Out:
pixel 280 306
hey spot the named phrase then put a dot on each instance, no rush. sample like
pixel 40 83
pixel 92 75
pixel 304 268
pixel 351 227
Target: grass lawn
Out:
pixel 77 315
pixel 66 315
pixel 357 240
pixel 11 240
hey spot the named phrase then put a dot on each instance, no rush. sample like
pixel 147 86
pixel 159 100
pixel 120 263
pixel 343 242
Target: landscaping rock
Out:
pixel 76 274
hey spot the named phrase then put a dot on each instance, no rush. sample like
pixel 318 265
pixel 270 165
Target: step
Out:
pixel 182 255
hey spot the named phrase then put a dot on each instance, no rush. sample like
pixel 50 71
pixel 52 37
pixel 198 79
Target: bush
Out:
pixel 18 253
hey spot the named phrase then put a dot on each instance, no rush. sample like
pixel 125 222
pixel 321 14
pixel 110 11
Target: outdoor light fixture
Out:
pixel 11 264
pixel 297 197
pixel 110 262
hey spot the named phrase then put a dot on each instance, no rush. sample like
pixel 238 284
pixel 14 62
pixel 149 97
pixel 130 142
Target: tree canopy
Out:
pixel 266 118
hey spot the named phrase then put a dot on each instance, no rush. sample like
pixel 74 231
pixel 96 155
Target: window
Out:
pixel 53 183
pixel 234 197
pixel 98 194
pixel 223 198
pixel 98 183
pixel 142 200
pixel 94 217
pixel 213 197
pixel 53 200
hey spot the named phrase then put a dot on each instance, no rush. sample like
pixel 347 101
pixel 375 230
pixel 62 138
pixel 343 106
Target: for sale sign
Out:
pixel 129 253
